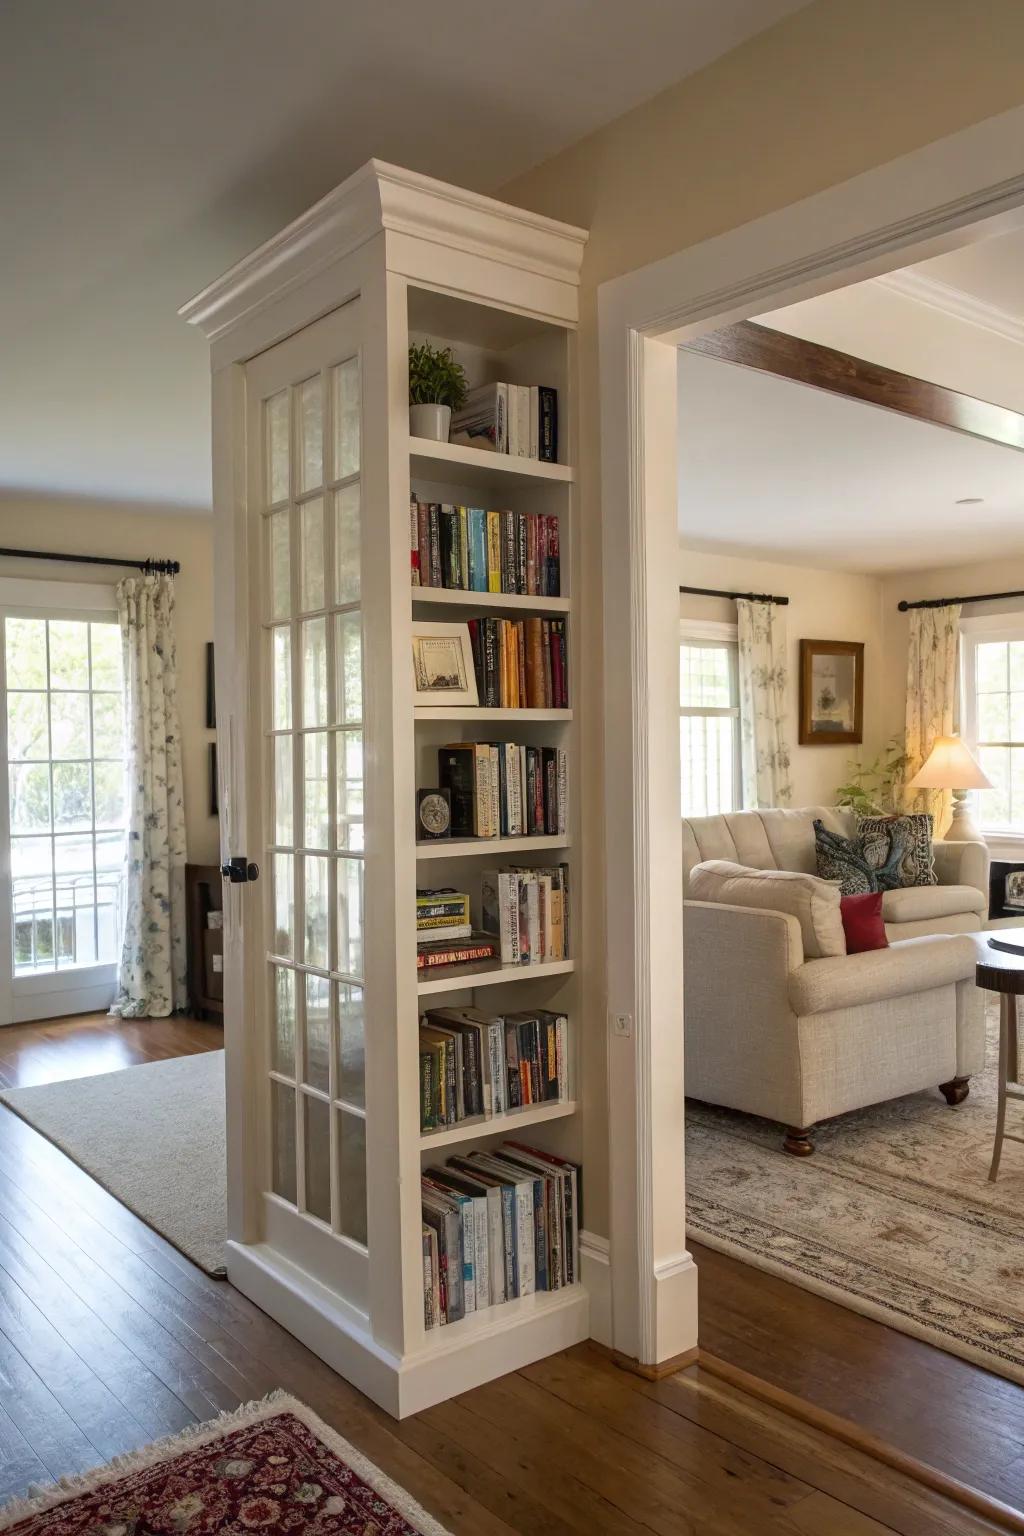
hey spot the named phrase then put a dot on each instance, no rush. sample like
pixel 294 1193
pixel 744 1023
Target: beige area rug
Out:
pixel 151 1135
pixel 893 1216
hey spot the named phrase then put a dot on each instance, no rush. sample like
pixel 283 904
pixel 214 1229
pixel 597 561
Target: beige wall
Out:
pixel 87 528
pixel 833 90
pixel 823 605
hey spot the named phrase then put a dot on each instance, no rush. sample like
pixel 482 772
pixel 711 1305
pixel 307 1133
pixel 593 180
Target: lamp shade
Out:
pixel 949 765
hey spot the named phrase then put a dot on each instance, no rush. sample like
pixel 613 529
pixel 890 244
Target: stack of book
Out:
pixel 519 419
pixel 475 1064
pixel 505 789
pixel 496 1226
pixel 444 933
pixel 527 911
pixel 473 549
pixel 520 663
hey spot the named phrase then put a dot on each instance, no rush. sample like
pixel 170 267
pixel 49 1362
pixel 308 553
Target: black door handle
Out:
pixel 239 870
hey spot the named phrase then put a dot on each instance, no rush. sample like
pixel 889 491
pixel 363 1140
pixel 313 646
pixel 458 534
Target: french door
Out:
pixel 62 799
pixel 305 948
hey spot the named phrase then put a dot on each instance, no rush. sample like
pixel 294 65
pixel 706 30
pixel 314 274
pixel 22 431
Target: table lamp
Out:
pixel 949 765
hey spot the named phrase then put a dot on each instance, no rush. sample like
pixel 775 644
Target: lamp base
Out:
pixel 963 828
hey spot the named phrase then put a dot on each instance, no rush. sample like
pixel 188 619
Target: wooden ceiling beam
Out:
pixel 807 362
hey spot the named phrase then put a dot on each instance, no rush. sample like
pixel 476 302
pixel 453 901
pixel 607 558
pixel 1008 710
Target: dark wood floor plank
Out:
pixel 20 1467
pixel 46 1426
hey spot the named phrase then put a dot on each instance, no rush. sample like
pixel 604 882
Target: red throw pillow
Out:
pixel 862 922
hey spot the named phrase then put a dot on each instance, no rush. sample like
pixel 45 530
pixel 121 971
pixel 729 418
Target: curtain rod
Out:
pixel 750 597
pixel 944 602
pixel 166 567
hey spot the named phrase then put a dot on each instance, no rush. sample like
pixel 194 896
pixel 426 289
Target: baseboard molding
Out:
pixel 656 1372
pixel 596 1274
pixel 858 1439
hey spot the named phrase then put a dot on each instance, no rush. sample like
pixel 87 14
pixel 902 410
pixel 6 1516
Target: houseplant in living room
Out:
pixel 437 386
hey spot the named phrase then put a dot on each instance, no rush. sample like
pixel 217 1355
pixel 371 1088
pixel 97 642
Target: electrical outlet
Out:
pixel 622 1024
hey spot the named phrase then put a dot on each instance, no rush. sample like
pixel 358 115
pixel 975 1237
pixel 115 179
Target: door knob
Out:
pixel 239 870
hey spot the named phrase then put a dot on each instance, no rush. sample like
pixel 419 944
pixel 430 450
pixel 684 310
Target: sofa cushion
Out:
pixel 791 834
pixel 739 838
pixel 917 903
pixel 898 849
pixel 908 966
pixel 862 922
pixel 813 902
pixel 842 859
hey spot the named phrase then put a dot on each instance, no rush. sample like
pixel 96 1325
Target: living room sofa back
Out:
pixel 784 839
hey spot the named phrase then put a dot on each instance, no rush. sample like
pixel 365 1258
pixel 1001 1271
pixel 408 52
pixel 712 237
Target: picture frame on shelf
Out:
pixel 443 670
pixel 831 693
pixel 433 815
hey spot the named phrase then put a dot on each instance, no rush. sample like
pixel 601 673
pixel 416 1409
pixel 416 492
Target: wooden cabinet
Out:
pixel 204 896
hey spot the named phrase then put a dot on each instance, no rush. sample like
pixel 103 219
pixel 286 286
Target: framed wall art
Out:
pixel 831 693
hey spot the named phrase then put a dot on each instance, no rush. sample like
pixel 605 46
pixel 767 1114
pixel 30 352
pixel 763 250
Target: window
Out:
pixel 709 720
pixel 993 696
pixel 65 763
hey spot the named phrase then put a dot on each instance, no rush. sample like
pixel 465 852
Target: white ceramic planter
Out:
pixel 430 421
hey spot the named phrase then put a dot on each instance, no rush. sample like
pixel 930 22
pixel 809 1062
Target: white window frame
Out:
pixel 974 630
pixel 77 989
pixel 717 632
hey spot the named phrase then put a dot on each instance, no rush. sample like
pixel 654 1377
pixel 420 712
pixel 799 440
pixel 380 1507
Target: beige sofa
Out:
pixel 799 1040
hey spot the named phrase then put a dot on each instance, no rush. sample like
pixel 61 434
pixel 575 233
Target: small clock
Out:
pixel 433 815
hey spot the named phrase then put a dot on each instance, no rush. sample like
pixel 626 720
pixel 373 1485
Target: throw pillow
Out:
pixel 842 859
pixel 899 850
pixel 813 902
pixel 862 922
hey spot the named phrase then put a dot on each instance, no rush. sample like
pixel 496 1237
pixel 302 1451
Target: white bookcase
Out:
pixel 394 257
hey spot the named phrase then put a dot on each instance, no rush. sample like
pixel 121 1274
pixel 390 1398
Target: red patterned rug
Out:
pixel 271 1467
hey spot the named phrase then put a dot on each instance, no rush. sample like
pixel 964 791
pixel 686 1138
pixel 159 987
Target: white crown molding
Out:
pixel 953 302
pixel 379 197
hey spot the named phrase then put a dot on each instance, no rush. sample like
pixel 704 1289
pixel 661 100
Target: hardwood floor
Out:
pixel 109 1339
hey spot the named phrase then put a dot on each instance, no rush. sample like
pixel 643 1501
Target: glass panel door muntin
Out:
pixel 292 721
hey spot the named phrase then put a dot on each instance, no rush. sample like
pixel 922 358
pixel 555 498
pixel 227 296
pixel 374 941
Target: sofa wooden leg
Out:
pixel 798 1143
pixel 956 1090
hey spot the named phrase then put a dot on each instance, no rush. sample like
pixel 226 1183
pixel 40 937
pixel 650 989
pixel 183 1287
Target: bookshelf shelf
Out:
pixel 455 979
pixel 495 847
pixel 490 602
pixel 475 469
pixel 497 1125
pixel 524 1310
pixel 465 713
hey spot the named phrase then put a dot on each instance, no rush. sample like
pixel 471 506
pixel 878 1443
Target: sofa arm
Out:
pixel 963 864
pixel 910 965
pixel 750 939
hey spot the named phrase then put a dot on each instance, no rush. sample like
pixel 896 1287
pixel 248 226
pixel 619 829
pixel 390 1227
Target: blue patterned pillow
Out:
pixel 898 849
pixel 842 859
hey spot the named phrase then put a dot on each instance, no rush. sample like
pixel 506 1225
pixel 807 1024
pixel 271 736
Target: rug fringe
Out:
pixel 39 1500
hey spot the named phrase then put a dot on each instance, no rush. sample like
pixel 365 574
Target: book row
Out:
pixel 476 1064
pixel 505 789
pixel 527 912
pixel 519 419
pixel 520 663
pixel 473 549
pixel 496 1226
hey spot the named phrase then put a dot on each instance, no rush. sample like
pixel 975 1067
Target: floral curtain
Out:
pixel 931 699
pixel 151 982
pixel 761 633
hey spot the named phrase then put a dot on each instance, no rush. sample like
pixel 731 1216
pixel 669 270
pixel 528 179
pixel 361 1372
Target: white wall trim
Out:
pixel 596 1274
pixel 954 302
pixel 893 216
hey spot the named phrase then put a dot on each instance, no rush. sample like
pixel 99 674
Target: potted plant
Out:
pixel 437 386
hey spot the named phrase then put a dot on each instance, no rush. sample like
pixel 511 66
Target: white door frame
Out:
pixel 901 212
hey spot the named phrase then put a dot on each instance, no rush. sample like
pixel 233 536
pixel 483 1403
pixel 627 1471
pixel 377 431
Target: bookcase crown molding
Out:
pixel 382 197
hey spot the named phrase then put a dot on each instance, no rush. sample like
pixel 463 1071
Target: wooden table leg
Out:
pixel 1007 1027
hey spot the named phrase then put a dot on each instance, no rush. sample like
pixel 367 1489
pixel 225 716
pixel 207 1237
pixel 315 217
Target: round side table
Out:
pixel 1002 970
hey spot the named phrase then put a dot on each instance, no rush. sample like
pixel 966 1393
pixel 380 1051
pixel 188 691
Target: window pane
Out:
pixel 26 653
pixel 72 796
pixel 707 755
pixel 280 564
pixel 317 1065
pixel 277 446
pixel 107 657
pixel 348 747
pixel 345 402
pixel 352 1175
pixel 284 904
pixel 76 901
pixel 282 678
pixel 992 666
pixel 316 815
pixel 32 903
pixel 346 545
pixel 283 818
pixel 994 803
pixel 69 654
pixel 28 730
pixel 314 672
pixel 108 725
pixel 282 1041
pixel 705 676
pixel 350 917
pixel 69 725
pixel 316 913
pixel 351 1044
pixel 311 434
pixel 993 717
pixel 348 668
pixel 318 1158
pixel 311 555
pixel 29 789
pixel 108 779
pixel 282 1116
